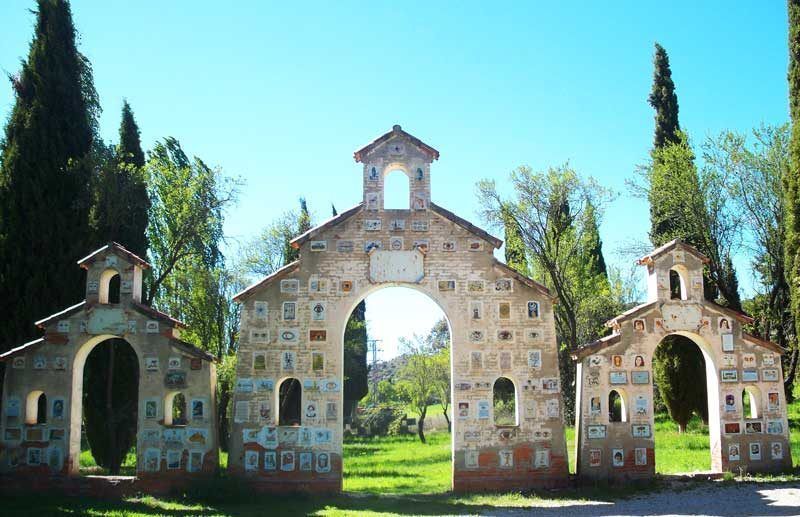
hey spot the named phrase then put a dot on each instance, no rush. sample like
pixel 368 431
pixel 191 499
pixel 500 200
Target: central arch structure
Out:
pixel 501 325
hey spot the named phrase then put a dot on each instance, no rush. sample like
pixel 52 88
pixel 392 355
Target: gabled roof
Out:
pixel 524 279
pixel 157 314
pixel 775 347
pixel 742 317
pixel 282 272
pixel 634 311
pixel 20 349
pixel 333 221
pixel 483 234
pixel 193 350
pixel 69 311
pixel 595 346
pixel 647 259
pixel 117 248
pixel 396 131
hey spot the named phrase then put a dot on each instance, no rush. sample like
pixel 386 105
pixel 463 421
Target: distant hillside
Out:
pixel 387 370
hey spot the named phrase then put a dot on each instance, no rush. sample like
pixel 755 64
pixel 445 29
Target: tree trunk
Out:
pixel 114 459
pixel 420 425
pixel 222 419
pixel 449 425
pixel 681 427
pixel 788 383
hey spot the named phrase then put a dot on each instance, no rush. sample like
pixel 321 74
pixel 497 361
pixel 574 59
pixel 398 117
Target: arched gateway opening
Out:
pixel 400 337
pixel 104 413
pixel 684 375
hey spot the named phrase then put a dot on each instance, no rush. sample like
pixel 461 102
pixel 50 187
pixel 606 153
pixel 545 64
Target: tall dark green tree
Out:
pixel 45 176
pixel 592 244
pixel 121 202
pixel 791 181
pixel 119 213
pixel 130 143
pixel 356 373
pixel 677 210
pixel 664 100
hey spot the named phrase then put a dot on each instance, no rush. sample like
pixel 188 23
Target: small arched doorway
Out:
pixel 104 416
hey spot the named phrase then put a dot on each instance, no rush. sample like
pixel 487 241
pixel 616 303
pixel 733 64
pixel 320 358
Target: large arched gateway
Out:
pixel 293 322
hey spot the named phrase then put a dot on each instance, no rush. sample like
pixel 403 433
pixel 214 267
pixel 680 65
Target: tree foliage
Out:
pixel 753 168
pixel 45 175
pixel 664 100
pixel 791 181
pixel 556 212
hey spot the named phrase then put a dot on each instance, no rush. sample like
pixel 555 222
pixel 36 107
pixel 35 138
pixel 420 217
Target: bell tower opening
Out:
pixel 396 190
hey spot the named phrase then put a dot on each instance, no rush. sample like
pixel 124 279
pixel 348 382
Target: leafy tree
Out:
pixel 754 168
pixel 45 175
pixel 550 209
pixel 441 376
pixel 514 246
pixel 791 181
pixel 186 215
pixel 417 385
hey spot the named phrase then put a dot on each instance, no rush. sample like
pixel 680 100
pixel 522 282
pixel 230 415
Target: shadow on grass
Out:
pixel 229 498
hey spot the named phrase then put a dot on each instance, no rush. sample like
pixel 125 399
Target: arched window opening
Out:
pixel 677 287
pixel 616 407
pixel 505 402
pixel 175 409
pixel 289 401
pixel 36 408
pixel 109 286
pixel 396 191
pixel 750 403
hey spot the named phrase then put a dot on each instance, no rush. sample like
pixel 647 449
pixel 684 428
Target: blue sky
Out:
pixel 281 95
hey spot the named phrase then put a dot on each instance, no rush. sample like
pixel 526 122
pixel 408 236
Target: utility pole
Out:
pixel 372 346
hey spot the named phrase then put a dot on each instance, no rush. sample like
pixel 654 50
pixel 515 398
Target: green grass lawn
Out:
pixel 398 464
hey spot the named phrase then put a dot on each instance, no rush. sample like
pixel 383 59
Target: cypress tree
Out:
pixel 676 211
pixel 45 176
pixel 130 144
pixel 592 244
pixel 121 204
pixel 514 246
pixel 664 100
pixel 791 188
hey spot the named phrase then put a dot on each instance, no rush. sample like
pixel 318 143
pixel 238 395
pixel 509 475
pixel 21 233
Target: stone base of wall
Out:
pixel 489 477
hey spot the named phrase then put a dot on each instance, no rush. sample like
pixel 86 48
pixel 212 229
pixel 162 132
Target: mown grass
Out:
pixel 398 464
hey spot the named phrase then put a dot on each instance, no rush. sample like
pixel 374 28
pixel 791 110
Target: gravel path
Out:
pixel 738 499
